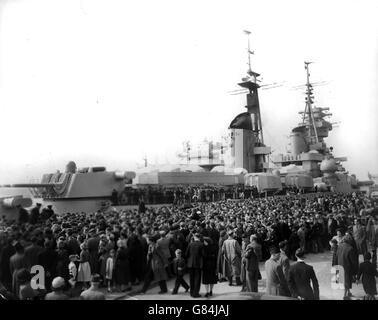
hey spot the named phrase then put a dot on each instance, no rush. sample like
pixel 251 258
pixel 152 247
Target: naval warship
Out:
pixel 310 163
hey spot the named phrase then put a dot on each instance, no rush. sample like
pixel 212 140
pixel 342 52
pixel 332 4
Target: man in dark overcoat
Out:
pixel 194 255
pixel 301 275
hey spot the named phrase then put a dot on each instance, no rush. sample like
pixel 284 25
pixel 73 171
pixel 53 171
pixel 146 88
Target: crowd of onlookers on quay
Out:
pixel 85 254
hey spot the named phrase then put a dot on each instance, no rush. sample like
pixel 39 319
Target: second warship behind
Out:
pixel 309 153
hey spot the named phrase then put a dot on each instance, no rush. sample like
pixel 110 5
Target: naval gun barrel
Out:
pixel 29 185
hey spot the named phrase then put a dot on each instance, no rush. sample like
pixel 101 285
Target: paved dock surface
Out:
pixel 321 263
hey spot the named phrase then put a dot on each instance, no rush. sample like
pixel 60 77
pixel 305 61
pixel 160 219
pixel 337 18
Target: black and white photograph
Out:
pixel 197 151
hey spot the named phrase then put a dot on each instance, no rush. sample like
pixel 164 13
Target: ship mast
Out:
pixel 249 52
pixel 253 106
pixel 308 108
pixel 248 150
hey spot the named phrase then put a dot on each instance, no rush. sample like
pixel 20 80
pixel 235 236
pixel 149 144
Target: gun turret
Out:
pixel 83 189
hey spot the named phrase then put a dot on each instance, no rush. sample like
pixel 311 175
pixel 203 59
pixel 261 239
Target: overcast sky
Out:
pixel 105 82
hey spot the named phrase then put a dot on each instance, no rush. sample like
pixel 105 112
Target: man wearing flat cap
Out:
pixel 301 275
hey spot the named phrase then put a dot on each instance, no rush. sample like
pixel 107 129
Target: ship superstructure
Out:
pixel 309 154
pixel 248 150
pixel 244 146
pixel 208 154
pixel 307 144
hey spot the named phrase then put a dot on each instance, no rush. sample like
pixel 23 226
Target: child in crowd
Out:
pixel 179 270
pixel 110 270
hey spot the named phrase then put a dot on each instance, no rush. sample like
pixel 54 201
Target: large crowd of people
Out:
pixel 215 241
